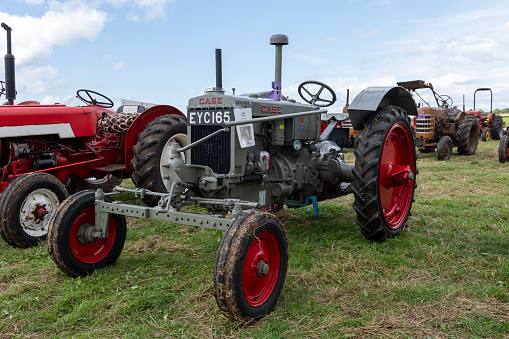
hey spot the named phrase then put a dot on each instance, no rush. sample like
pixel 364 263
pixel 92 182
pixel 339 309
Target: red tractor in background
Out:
pixel 442 127
pixel 49 151
pixel 490 125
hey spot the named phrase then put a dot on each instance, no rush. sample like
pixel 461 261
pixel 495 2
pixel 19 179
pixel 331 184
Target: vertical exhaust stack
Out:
pixel 10 83
pixel 219 72
pixel 278 40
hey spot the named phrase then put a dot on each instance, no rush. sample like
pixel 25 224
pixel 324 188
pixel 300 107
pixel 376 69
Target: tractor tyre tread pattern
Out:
pixel 145 163
pixel 497 127
pixel 364 187
pixel 503 149
pixel 467 126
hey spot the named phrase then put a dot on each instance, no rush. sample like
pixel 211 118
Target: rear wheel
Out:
pixel 444 149
pixel 503 149
pixel 384 174
pixel 497 127
pixel 152 151
pixel 251 266
pixel 486 134
pixel 26 208
pixel 67 237
pixel 467 137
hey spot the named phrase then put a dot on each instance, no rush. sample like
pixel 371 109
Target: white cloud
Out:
pixel 33 39
pixel 34 2
pixel 118 65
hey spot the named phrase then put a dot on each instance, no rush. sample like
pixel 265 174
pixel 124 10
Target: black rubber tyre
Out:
pixel 153 150
pixel 503 149
pixel 107 183
pixel 70 254
pixel 26 208
pixel 497 129
pixel 444 148
pixel 486 134
pixel 467 137
pixel 242 289
pixel 387 141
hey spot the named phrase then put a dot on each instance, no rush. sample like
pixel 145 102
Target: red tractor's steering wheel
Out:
pixel 106 103
pixel 313 99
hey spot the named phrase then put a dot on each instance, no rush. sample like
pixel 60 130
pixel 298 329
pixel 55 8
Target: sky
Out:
pixel 162 51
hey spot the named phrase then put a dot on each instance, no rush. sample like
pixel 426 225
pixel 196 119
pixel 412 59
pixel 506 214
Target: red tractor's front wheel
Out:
pixel 69 245
pixel 384 174
pixel 251 266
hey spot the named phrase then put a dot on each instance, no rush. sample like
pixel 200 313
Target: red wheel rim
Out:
pixel 96 251
pixel 396 175
pixel 264 249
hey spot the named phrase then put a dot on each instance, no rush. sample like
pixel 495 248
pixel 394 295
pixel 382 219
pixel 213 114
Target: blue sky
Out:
pixel 162 51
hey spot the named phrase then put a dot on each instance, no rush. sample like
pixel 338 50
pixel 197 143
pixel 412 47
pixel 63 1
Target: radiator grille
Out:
pixel 215 152
pixel 425 126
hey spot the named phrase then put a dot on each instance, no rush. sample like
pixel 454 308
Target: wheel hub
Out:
pixel 262 268
pixel 85 234
pixel 396 175
pixel 36 210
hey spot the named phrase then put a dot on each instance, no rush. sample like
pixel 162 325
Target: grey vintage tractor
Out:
pixel 246 157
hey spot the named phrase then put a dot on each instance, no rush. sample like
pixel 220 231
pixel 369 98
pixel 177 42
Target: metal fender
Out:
pixel 138 125
pixel 367 102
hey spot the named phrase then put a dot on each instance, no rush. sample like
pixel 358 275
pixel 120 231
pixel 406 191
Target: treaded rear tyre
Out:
pixel 467 137
pixel 152 150
pixel 382 206
pixel 503 149
pixel 497 127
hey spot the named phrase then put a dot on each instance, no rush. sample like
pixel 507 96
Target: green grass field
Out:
pixel 446 276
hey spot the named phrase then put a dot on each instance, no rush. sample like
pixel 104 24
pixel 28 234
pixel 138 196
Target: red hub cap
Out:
pixel 94 252
pixel 396 175
pixel 261 269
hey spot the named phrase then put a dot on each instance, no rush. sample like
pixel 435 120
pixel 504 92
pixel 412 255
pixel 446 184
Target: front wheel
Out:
pixel 486 134
pixel 67 241
pixel 384 174
pixel 503 149
pixel 251 266
pixel 26 208
pixel 444 148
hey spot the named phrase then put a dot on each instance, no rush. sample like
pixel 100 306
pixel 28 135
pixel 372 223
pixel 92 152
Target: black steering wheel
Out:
pixel 104 103
pixel 445 101
pixel 313 99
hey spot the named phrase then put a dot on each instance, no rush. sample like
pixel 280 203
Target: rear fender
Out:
pixel 371 99
pixel 138 125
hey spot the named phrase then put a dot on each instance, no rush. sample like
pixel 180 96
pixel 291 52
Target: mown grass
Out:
pixel 446 276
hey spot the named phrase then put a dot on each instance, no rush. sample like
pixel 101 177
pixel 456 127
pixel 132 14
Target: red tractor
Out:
pixel 490 125
pixel 49 151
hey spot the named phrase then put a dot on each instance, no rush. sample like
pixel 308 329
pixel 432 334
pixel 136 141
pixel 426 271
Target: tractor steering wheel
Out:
pixel 310 98
pixel 107 103
pixel 445 100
